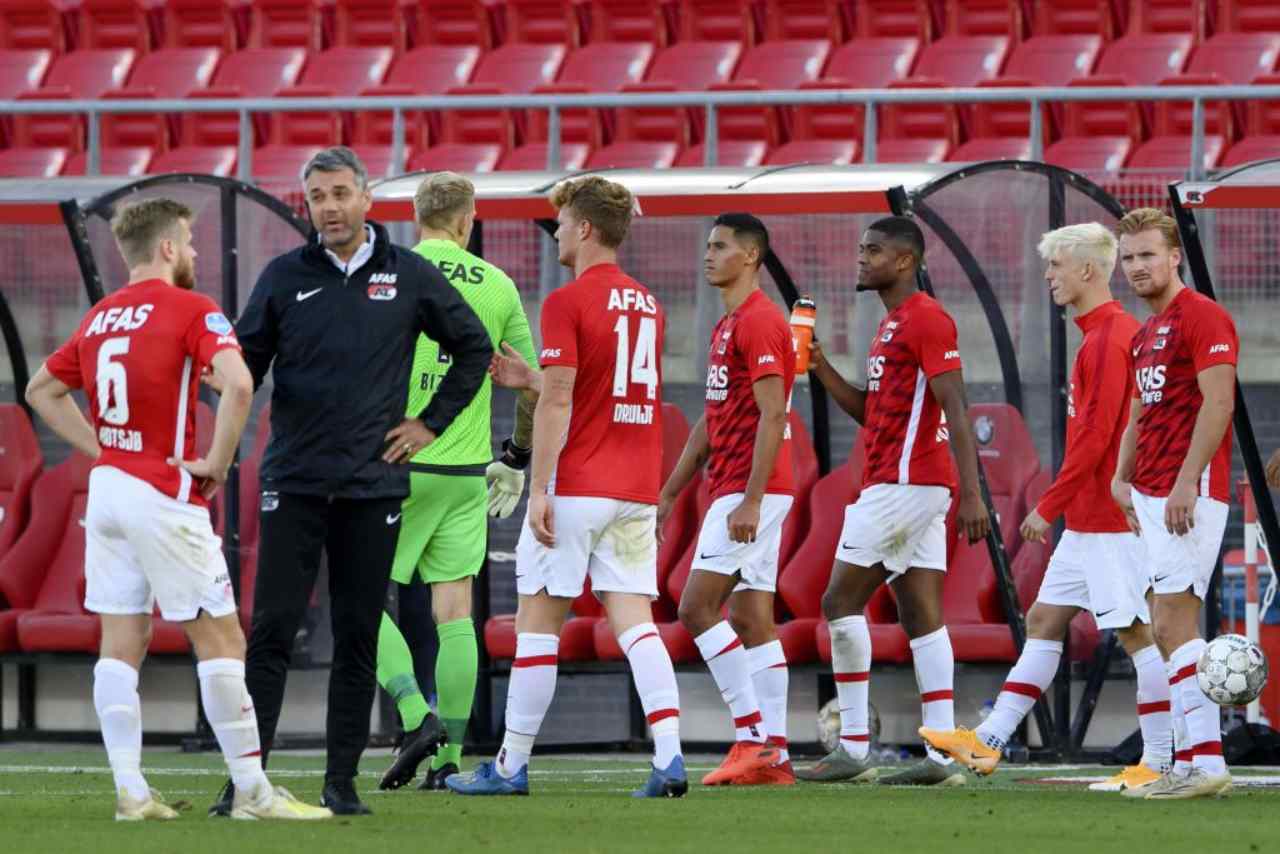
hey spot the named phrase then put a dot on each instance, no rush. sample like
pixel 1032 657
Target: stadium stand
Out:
pixel 200 23
pixel 626 21
pixel 80 74
pixel 20 464
pixel 33 24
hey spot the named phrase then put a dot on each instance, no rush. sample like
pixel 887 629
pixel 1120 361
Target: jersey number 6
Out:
pixel 113 383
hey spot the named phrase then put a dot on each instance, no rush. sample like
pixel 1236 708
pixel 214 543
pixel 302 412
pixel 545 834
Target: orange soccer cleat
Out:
pixel 778 774
pixel 744 757
pixel 964 746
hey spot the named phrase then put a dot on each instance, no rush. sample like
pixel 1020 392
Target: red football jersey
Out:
pixel 753 341
pixel 609 327
pixel 138 355
pixel 1097 413
pixel 906 432
pixel 1171 348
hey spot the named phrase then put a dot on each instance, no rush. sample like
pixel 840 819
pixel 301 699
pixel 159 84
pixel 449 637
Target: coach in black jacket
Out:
pixel 339 318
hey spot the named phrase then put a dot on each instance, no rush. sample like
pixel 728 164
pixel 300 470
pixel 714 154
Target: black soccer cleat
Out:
pixel 222 806
pixel 418 745
pixel 436 777
pixel 340 797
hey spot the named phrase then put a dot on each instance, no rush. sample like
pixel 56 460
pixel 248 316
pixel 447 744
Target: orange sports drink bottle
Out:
pixel 804 313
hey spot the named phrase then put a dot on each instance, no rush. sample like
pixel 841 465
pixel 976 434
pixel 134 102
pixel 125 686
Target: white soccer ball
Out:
pixel 1232 670
pixel 829 724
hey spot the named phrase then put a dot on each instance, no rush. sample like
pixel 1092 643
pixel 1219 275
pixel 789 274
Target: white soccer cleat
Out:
pixel 267 803
pixel 1197 784
pixel 153 808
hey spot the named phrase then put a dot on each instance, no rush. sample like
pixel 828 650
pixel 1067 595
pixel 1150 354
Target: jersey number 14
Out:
pixel 639 366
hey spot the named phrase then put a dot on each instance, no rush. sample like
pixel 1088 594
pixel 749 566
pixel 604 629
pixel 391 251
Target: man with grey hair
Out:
pixel 1099 563
pixel 336 321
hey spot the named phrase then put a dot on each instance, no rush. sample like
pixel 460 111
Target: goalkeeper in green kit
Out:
pixel 453 484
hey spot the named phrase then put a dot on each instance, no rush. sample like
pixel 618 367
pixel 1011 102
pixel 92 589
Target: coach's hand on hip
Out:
pixel 406 440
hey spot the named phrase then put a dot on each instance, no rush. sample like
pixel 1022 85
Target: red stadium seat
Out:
pixel 950 61
pixel 634 155
pixel 44 569
pixel 1038 61
pixel 1170 16
pixel 836 151
pixel 130 161
pixel 872 63
pixel 681 67
pixel 730 152
pixel 770 65
pixel 430 70
pixel 209 160
pixel 282 161
pixel 626 21
pixel 199 23
pixel 455 22
pixel 377 160
pixel 541 22
pixel 991 148
pixel 114 23
pixel 1090 155
pixel 342 72
pixel 285 23
pixel 1236 57
pixel 1010 460
pixel 20 463
pixel 1252 148
pixel 675 433
pixel 32 25
pixel 456 157
pixel 532 157
pixel 807 19
pixel 166 73
pixel 1098 119
pixel 1172 154
pixel 22 71
pixel 511 69
pixel 985 18
pixel 81 74
pixel 1249 16
pixel 912 150
pixel 374 23
pixel 1074 18
pixel 601 67
pixel 1144 60
pixel 26 162
pixel 804 472
pixel 250 73
pixel 716 20
pixel 896 18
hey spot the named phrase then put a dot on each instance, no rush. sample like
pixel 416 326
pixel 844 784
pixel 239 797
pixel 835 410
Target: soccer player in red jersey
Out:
pixel 1099 564
pixel 593 494
pixel 1173 479
pixel 896 532
pixel 139 354
pixel 744 442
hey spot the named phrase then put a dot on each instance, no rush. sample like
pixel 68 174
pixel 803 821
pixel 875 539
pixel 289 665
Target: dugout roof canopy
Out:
pixel 686 192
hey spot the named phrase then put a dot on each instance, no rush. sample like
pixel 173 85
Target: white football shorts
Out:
pixel 1176 563
pixel 756 563
pixel 1105 574
pixel 143 548
pixel 612 541
pixel 902 525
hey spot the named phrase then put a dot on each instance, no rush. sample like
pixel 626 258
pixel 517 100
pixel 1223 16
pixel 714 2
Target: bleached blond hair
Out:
pixel 1086 242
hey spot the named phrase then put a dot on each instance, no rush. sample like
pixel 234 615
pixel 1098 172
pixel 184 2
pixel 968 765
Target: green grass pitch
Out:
pixel 57 800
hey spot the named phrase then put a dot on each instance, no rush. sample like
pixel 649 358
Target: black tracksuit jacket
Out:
pixel 342 348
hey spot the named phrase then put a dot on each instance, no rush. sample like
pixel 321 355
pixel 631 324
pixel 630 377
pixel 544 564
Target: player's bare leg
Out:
pixel 919 594
pixel 847 594
pixel 704 596
pixel 751 616
pixel 115 697
pixel 630 617
pixel 219 646
pixel 539 621
pixel 1176 618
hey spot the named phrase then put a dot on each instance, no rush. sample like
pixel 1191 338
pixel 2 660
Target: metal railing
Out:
pixel 710 102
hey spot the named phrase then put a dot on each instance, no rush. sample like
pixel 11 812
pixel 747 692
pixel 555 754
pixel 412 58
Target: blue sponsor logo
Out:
pixel 217 323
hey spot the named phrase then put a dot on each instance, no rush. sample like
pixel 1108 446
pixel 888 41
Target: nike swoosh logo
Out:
pixel 1100 614
pixel 1160 578
pixel 847 546
pixel 709 557
pixel 391 520
pixel 308 294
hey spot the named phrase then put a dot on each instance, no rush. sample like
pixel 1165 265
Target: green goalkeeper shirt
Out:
pixel 466 445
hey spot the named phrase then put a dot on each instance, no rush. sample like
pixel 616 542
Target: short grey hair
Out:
pixel 1086 242
pixel 335 159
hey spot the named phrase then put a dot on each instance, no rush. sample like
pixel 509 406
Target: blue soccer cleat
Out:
pixel 486 780
pixel 670 782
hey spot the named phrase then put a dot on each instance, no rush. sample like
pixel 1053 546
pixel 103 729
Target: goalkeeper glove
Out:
pixel 506 480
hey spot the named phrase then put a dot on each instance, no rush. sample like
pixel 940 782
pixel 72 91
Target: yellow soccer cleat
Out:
pixel 1132 777
pixel 152 809
pixel 964 746
pixel 267 803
